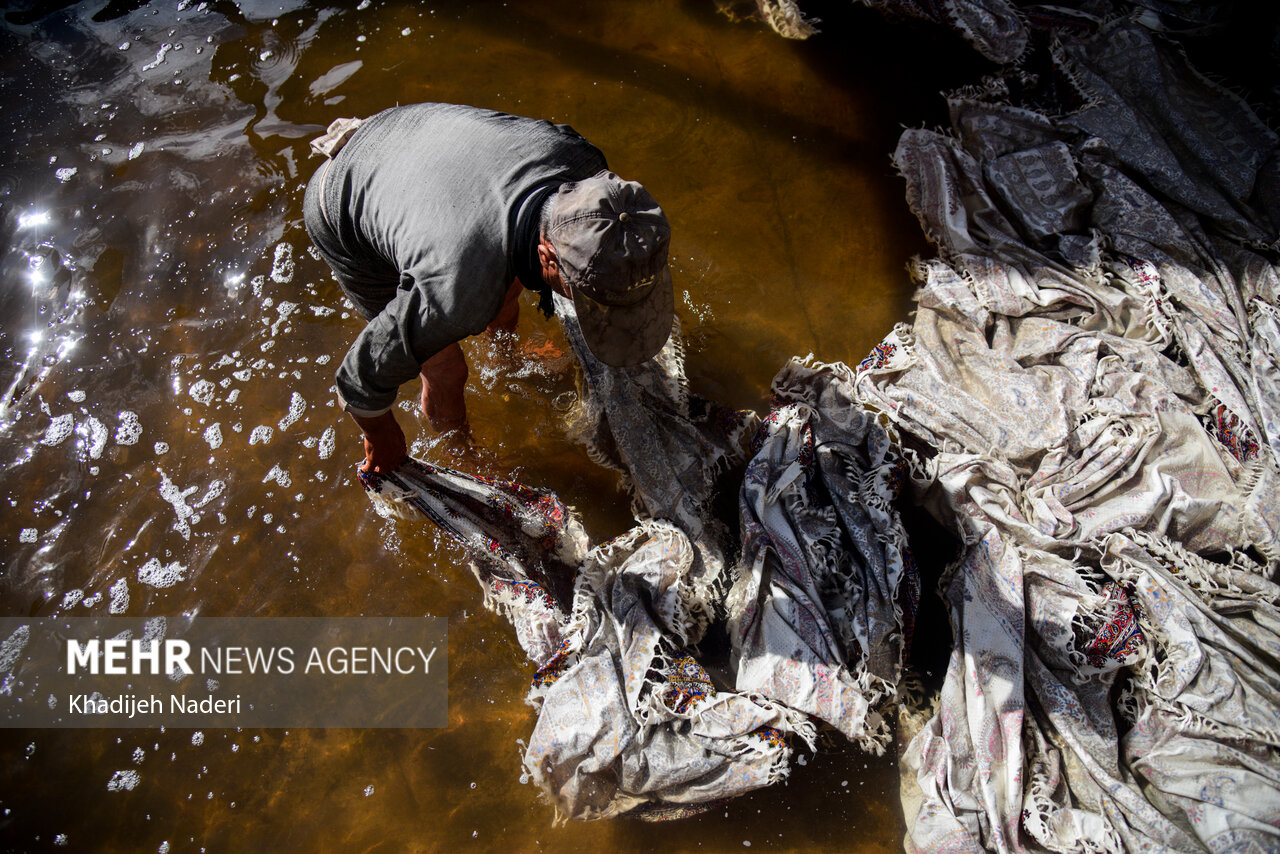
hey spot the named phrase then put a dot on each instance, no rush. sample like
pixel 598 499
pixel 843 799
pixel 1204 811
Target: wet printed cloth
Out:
pixel 1093 360
pixel 826 593
pixel 630 720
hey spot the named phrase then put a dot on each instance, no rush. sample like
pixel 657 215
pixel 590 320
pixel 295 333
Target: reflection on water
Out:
pixel 169 439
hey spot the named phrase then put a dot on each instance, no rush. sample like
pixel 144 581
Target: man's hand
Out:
pixel 384 445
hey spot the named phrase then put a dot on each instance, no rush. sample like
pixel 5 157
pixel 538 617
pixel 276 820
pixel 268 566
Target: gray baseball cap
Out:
pixel 611 241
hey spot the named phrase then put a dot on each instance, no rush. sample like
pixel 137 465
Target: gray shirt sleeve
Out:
pixel 426 316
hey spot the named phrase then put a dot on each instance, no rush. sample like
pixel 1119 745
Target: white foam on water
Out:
pixel 66 173
pixel 136 151
pixel 260 434
pixel 138 755
pixel 282 265
pixel 213 435
pixel 328 441
pixel 323 359
pixel 233 396
pixel 164 48
pixel 202 391
pixel 58 431
pixel 297 406
pixel 97 439
pixel 28 535
pixel 60 840
pixel 130 429
pixel 368 790
pixel 76 396
pixel 153 574
pixel 215 489
pixel 124 781
pixel 13 646
pixel 278 475
pixel 178 498
pixel 154 629
pixel 243 375
pixel 90 601
pixel 71 597
pixel 283 310
pixel 224 361
pixel 197 738
pixel 321 311
pixel 119 597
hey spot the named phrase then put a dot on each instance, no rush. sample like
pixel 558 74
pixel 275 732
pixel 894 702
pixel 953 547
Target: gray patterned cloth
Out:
pixel 1093 357
pixel 630 719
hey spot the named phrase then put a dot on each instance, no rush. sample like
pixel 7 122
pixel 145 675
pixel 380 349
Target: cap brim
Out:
pixel 623 336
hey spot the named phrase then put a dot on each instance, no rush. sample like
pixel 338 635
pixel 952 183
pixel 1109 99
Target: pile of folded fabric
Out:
pixel 1094 364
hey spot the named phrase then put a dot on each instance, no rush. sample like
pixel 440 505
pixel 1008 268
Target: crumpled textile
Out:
pixel 1093 359
pixel 627 717
pixel 530 544
pixel 630 721
pixel 822 611
pixel 669 447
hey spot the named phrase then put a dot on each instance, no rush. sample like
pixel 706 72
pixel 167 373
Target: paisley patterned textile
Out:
pixel 1093 358
pixel 633 719
pixel 525 545
pixel 819 613
pixel 630 721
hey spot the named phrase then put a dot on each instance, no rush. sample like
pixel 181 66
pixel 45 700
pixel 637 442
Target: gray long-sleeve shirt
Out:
pixel 433 209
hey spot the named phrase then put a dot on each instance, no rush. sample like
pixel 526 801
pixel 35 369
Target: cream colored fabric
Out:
pixel 1094 359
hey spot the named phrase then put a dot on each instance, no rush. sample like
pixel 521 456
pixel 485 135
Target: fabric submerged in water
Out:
pixel 630 721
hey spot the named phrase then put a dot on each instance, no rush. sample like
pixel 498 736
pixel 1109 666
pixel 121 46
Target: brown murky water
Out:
pixel 168 343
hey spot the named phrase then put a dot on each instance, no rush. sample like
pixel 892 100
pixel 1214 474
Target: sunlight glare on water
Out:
pixel 170 439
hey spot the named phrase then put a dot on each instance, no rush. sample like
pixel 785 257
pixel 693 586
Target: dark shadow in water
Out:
pixel 43 8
